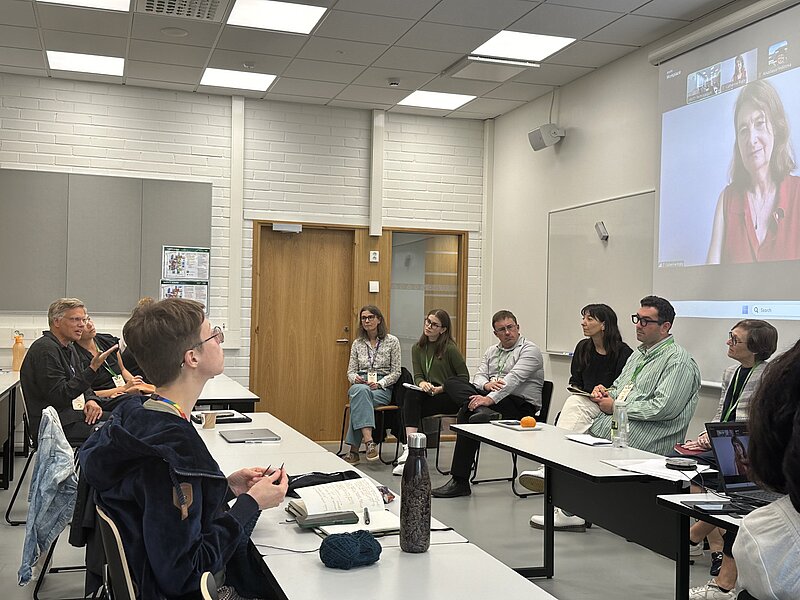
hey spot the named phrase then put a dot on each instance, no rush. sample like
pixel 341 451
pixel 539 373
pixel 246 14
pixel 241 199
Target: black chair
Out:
pixel 117 581
pixel 393 411
pixel 541 417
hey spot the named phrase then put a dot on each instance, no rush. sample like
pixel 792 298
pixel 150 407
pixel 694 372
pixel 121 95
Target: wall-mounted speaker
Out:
pixel 546 135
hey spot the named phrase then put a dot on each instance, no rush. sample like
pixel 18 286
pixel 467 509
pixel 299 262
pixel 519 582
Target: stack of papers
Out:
pixel 656 467
pixel 589 440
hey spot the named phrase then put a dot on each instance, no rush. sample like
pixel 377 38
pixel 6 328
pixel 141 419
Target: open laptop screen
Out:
pixel 730 442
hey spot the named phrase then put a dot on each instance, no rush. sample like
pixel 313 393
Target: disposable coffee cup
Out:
pixel 209 420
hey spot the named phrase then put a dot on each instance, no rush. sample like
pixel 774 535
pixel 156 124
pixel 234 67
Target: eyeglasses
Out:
pixel 733 339
pixel 217 334
pixel 645 321
pixel 367 318
pixel 507 328
pixel 431 324
pixel 77 319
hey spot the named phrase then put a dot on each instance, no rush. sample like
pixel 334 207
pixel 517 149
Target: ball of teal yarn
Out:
pixel 348 550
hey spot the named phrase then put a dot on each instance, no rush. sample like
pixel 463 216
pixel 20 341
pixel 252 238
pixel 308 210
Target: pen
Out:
pixel 366 516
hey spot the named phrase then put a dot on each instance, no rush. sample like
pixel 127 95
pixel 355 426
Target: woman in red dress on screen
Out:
pixel 758 213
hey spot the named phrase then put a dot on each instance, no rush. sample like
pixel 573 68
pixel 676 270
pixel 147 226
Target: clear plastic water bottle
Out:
pixel 619 424
pixel 415 498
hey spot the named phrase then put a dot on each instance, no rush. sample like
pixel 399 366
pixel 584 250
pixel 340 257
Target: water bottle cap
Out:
pixel 417 440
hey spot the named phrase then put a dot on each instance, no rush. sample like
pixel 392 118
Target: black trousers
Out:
pixel 460 390
pixel 417 405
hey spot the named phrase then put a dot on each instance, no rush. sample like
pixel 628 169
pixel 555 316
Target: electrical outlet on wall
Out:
pixel 374 256
pixel 374 287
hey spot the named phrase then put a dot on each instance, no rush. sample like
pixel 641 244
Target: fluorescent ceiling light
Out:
pixel 522 46
pixel 239 80
pixel 436 100
pixel 86 63
pixel 504 61
pixel 121 5
pixel 277 16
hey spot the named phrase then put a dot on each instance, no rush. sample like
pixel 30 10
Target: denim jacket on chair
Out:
pixel 54 487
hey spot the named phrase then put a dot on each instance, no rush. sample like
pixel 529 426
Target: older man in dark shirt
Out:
pixel 51 374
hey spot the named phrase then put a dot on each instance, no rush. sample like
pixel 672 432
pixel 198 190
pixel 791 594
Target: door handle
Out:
pixel 342 341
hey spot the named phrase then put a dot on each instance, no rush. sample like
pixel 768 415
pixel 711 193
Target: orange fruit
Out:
pixel 527 422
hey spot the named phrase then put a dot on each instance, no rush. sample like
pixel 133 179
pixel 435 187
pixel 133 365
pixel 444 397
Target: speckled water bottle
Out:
pixel 415 498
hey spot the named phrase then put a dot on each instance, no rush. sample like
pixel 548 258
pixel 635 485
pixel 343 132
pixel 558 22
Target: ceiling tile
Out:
pixel 266 42
pixel 360 27
pixel 162 85
pixel 491 106
pixel 408 80
pixel 418 110
pixel 300 68
pixel 15 57
pixel 18 12
pixel 445 38
pixel 23 70
pixel 344 51
pixel 305 87
pixel 157 72
pixel 362 105
pixel 407 9
pixel 262 63
pixel 413 59
pixel 452 85
pixel 620 6
pixel 566 21
pixel 148 27
pixel 590 54
pixel 518 91
pixel 188 56
pixel 295 99
pixel 66 41
pixel 361 93
pixel 20 37
pixel 83 20
pixel 635 30
pixel 549 74
pixel 687 10
pixel 495 14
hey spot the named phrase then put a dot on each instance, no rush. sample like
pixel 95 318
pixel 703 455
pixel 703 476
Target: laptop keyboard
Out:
pixel 762 496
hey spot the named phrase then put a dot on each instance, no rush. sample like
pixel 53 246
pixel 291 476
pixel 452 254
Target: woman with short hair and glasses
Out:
pixel 435 359
pixel 373 369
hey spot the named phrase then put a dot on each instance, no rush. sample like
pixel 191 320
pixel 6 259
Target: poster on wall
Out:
pixel 185 263
pixel 191 290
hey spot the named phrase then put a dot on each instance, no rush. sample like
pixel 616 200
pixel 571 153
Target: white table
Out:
pixel 577 481
pixel 224 392
pixel 9 384
pixel 459 571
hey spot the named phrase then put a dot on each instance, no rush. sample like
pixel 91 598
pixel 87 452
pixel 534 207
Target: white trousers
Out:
pixel 578 414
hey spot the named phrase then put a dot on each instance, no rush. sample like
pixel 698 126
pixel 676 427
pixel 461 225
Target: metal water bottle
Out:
pixel 415 498
pixel 619 424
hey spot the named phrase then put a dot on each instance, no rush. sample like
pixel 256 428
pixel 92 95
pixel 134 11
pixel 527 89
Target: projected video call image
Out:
pixel 729 187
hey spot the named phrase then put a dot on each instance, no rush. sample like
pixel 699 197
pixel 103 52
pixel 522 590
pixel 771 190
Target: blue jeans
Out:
pixel 362 414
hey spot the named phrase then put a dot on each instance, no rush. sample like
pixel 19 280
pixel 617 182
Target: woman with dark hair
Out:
pixel 373 369
pixel 758 213
pixel 435 358
pixel 739 71
pixel 768 542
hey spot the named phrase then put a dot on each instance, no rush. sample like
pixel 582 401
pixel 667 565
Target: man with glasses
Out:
pixel 508 385
pixel 52 375
pixel 659 383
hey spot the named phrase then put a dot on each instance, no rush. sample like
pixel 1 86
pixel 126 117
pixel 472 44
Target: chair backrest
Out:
pixel 547 395
pixel 399 390
pixel 120 586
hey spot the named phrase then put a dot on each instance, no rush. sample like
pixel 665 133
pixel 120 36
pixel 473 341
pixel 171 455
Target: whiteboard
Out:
pixel 582 269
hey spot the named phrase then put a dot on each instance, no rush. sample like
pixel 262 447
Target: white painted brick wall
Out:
pixel 302 162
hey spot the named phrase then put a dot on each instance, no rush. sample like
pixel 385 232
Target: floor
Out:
pixel 589 566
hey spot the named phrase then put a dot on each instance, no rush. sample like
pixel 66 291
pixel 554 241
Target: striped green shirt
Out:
pixel 662 400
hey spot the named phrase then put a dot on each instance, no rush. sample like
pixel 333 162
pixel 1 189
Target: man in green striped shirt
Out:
pixel 659 383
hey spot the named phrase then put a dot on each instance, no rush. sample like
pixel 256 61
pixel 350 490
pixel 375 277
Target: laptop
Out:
pixel 251 436
pixel 730 442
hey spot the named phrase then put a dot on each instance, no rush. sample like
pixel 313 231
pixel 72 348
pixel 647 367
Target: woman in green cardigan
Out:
pixel 435 358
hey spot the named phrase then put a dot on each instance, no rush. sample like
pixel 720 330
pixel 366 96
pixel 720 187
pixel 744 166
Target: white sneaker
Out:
pixel 398 470
pixel 404 456
pixel 561 522
pixel 533 480
pixel 696 549
pixel 710 591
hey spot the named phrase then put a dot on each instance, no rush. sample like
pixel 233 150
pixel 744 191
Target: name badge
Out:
pixel 372 377
pixel 79 402
pixel 623 393
pixel 119 380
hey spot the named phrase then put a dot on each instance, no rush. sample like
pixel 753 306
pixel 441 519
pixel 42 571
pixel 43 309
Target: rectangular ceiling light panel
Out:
pixel 436 100
pixel 276 16
pixel 240 80
pixel 86 63
pixel 120 5
pixel 522 46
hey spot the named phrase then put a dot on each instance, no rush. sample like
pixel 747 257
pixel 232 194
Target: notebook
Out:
pixel 730 442
pixel 251 436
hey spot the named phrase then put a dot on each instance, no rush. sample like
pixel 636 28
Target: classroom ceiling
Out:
pixel 353 52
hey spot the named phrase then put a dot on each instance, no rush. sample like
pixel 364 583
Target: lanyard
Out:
pixel 505 354
pixel 170 403
pixel 737 393
pixel 105 363
pixel 428 362
pixel 372 356
pixel 650 358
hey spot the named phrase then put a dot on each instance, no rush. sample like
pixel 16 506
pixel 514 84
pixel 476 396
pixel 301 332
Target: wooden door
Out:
pixel 301 330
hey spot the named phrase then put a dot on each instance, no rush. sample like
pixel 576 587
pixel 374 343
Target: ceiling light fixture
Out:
pixel 277 16
pixel 86 63
pixel 522 46
pixel 174 32
pixel 436 100
pixel 504 61
pixel 119 5
pixel 238 80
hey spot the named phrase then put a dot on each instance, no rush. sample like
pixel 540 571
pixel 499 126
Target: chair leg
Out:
pixel 344 422
pixel 48 559
pixel 439 449
pixel 16 491
pixel 396 445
